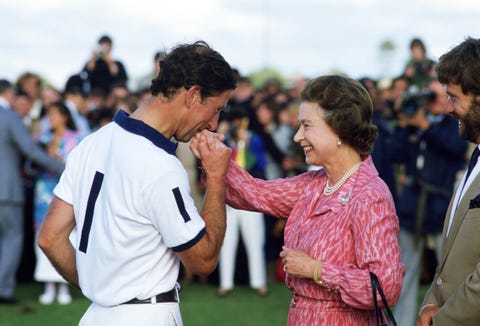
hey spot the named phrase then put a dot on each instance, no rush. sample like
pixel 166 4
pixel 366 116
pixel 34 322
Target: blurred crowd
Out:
pixel 418 151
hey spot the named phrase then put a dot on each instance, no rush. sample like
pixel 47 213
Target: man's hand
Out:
pixel 196 140
pixel 214 154
pixel 427 313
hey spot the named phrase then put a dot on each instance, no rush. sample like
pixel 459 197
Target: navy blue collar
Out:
pixel 142 129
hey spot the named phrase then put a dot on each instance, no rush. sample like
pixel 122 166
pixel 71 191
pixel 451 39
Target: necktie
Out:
pixel 471 165
pixel 473 161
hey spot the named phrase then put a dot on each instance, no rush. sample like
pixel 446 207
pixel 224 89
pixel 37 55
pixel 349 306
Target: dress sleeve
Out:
pixel 375 228
pixel 272 197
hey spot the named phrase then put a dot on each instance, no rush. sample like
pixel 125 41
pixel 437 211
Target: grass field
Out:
pixel 199 306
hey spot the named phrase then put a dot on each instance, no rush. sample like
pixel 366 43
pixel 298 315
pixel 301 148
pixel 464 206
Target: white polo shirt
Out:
pixel 133 209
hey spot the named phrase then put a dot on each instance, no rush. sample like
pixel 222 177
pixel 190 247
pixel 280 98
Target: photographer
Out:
pixel 427 143
pixel 419 69
pixel 102 70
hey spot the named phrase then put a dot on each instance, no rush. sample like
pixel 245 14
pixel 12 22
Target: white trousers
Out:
pixel 406 308
pixel 252 228
pixel 161 314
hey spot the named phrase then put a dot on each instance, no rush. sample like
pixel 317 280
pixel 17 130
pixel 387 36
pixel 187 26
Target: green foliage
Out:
pixel 259 77
pixel 387 46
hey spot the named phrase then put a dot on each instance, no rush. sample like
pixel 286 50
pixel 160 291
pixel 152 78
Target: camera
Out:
pixel 100 50
pixel 413 100
pixel 423 67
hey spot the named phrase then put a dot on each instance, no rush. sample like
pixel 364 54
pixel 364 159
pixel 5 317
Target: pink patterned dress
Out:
pixel 353 231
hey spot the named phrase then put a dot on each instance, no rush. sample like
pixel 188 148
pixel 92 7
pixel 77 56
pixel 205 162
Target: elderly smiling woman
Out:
pixel 341 220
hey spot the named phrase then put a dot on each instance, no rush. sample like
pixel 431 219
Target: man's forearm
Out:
pixel 64 260
pixel 214 214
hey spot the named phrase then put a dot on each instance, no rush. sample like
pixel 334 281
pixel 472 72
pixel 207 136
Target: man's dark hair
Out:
pixel 418 42
pixel 76 85
pixel 461 66
pixel 188 65
pixel 5 85
pixel 105 39
pixel 159 55
pixel 20 92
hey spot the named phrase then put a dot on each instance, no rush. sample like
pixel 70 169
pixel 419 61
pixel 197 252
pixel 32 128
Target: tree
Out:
pixel 259 77
pixel 386 55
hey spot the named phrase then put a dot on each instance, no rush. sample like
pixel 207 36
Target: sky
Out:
pixel 54 38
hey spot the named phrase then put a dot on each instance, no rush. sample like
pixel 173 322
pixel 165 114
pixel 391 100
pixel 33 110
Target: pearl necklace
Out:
pixel 328 190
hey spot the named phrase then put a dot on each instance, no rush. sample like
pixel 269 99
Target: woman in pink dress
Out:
pixel 341 220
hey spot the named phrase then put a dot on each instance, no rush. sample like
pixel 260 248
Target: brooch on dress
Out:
pixel 345 199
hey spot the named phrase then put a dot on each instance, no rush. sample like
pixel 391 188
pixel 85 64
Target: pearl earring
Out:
pixel 339 142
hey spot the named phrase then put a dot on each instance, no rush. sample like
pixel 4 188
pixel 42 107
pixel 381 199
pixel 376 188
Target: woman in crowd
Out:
pixel 58 142
pixel 248 151
pixel 341 221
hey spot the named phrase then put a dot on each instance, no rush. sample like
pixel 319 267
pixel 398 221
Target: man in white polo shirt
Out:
pixel 128 195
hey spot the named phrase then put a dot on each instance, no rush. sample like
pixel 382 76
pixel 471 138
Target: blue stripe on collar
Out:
pixel 142 129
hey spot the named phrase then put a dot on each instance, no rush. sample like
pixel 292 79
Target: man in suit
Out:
pixel 454 295
pixel 427 143
pixel 15 142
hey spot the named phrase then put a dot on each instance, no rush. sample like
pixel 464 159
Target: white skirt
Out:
pixel 44 270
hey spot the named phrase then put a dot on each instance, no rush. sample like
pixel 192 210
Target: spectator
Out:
pixel 268 115
pixel 248 152
pixel 145 81
pixel 419 68
pixel 15 141
pixel 50 95
pixel 22 105
pixel 75 99
pixel 382 149
pixel 74 96
pixel 58 142
pixel 31 84
pixel 103 71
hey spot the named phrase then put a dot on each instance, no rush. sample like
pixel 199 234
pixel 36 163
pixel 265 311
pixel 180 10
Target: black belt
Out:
pixel 169 296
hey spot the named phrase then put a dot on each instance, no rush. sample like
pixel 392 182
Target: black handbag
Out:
pixel 383 317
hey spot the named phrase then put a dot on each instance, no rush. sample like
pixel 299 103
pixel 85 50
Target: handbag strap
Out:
pixel 374 296
pixel 376 286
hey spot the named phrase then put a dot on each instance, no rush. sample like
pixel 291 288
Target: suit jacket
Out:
pixel 456 285
pixel 15 143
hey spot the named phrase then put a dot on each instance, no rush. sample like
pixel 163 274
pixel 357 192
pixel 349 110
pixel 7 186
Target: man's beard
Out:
pixel 471 123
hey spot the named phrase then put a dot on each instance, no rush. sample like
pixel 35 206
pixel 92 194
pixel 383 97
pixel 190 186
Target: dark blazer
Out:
pixel 443 153
pixel 15 143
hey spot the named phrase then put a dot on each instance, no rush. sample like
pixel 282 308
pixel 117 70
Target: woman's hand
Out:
pixel 297 263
